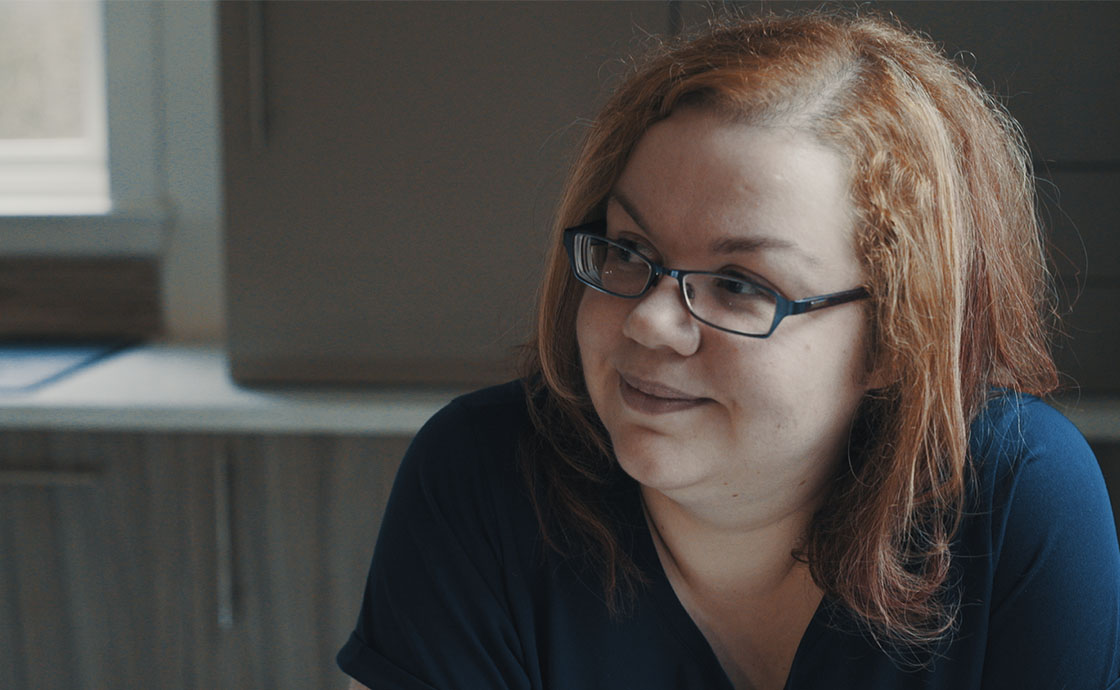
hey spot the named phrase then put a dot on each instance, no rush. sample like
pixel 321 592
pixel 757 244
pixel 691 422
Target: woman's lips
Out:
pixel 654 398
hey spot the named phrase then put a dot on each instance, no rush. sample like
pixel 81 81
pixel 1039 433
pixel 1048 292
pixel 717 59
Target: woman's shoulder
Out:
pixel 1030 465
pixel 1018 432
pixel 1039 489
pixel 1040 544
pixel 466 454
pixel 491 419
pixel 500 404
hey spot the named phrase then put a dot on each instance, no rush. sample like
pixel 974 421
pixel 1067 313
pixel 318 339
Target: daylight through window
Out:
pixel 53 135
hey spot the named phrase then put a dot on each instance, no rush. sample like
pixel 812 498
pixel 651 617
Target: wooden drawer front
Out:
pixel 99 544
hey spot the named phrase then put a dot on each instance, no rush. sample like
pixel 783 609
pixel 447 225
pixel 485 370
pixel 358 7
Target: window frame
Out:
pixel 65 175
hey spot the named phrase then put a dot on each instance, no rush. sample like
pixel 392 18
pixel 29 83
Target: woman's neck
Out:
pixel 750 598
pixel 745 559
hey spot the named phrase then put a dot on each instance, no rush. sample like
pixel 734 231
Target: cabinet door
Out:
pixel 304 512
pixel 391 170
pixel 100 540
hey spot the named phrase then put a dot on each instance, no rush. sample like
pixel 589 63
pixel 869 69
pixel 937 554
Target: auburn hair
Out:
pixel 947 231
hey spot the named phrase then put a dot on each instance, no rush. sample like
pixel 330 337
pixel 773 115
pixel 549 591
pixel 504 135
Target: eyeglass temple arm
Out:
pixel 801 306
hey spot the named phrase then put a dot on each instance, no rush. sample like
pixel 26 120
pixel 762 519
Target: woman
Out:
pixel 779 425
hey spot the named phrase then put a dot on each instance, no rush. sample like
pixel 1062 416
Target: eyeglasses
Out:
pixel 727 302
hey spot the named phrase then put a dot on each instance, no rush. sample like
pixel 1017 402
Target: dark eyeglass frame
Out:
pixel 783 307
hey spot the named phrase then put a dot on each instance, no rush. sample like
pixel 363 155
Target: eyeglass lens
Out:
pixel 722 301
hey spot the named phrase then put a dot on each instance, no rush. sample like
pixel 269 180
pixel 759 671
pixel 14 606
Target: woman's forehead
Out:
pixel 700 172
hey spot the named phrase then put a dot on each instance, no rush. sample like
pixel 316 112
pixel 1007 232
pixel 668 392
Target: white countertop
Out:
pixel 184 387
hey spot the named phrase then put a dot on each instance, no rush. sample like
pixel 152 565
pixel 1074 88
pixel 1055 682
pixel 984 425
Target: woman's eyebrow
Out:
pixel 753 244
pixel 628 206
pixel 726 245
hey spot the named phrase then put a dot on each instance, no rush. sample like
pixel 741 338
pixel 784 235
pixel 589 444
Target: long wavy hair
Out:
pixel 948 235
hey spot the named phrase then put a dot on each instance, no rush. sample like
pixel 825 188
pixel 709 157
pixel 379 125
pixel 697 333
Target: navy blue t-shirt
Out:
pixel 463 594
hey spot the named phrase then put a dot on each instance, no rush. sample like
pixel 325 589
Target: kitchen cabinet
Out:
pixel 181 560
pixel 304 512
pixel 390 175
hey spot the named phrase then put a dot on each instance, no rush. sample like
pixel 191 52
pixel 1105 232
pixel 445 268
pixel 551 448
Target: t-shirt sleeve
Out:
pixel 435 613
pixel 1055 616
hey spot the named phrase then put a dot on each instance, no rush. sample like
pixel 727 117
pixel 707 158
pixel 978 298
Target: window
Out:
pixel 161 238
pixel 88 179
pixel 53 157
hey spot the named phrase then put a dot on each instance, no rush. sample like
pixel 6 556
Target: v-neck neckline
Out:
pixel 676 618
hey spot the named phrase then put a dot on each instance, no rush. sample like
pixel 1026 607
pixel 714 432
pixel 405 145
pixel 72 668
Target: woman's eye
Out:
pixel 619 255
pixel 735 286
pixel 746 283
pixel 631 251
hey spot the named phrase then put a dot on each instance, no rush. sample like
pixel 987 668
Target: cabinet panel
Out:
pixel 111 557
pixel 305 514
pixel 99 543
pixel 391 173
pixel 1055 65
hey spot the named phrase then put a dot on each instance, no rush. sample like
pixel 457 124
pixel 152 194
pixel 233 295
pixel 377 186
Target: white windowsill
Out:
pixel 187 388
pixel 131 232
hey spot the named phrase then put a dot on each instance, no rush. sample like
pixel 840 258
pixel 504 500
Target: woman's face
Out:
pixel 702 415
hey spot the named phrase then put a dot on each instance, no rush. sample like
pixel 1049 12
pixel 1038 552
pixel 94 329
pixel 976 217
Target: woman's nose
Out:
pixel 660 319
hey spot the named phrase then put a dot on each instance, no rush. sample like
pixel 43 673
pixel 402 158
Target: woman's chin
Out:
pixel 659 469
